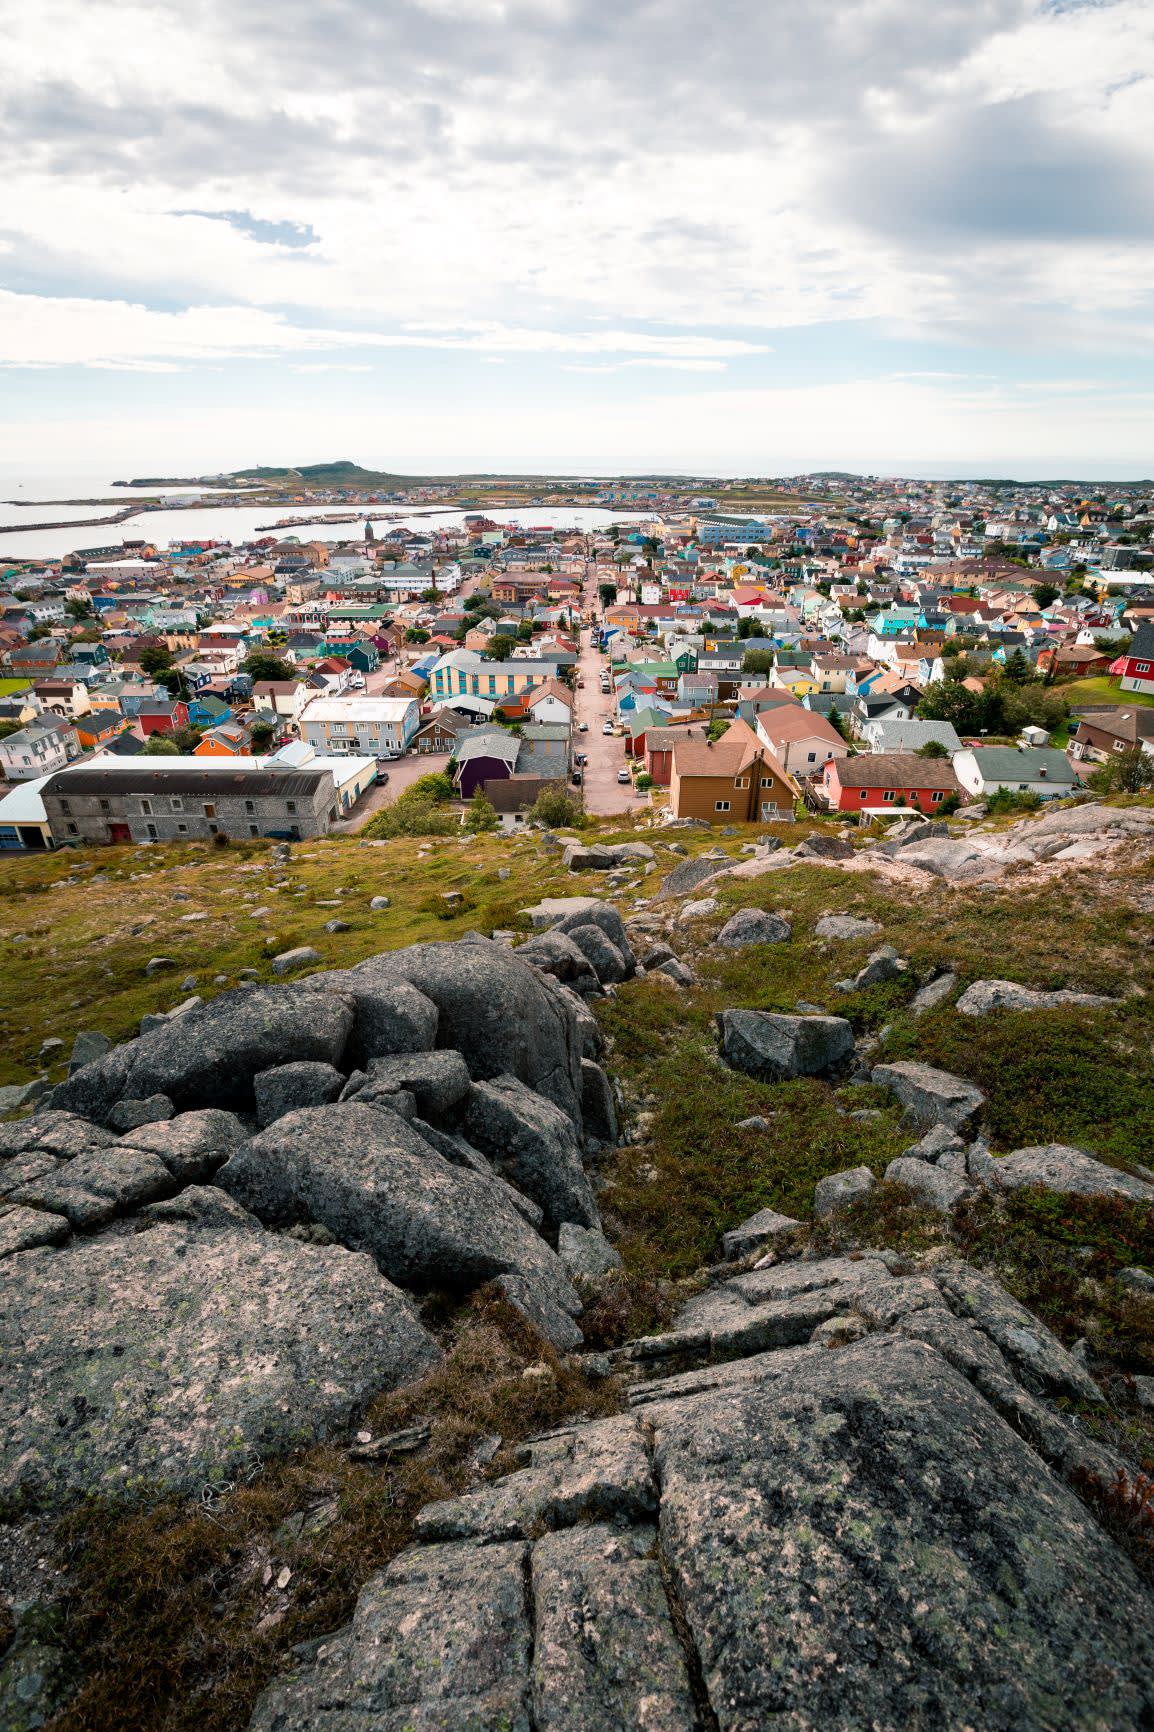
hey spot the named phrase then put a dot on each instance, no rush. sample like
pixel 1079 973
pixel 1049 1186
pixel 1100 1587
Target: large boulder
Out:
pixel 937 1187
pixel 604 915
pixel 846 926
pixel 608 962
pixel 986 995
pixel 179 1358
pixel 210 1056
pixel 1058 1167
pixel 690 874
pixel 598 1108
pixel 945 857
pixel 438 1081
pixel 389 1015
pixel 930 1096
pixel 286 1087
pixel 775 1047
pixel 377 1186
pixel 821 846
pixel 555 954
pixel 753 926
pixel 531 1143
pixel 496 1010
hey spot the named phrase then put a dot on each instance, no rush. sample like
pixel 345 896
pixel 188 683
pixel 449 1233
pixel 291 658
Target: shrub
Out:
pixel 555 810
pixel 482 814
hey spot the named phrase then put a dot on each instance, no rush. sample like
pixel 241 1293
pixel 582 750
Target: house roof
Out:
pixel 694 754
pixel 898 736
pixel 790 723
pixel 208 777
pixel 1133 725
pixel 489 743
pixel 1023 764
pixel 1142 647
pixel 895 770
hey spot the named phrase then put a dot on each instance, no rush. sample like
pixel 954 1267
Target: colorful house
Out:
pixel 881 781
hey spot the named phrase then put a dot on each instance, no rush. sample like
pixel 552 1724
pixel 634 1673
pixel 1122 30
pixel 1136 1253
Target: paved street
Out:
pixel 603 793
pixel 402 773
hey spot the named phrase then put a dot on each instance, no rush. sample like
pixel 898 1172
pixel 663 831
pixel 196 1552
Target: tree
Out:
pixel 608 593
pixel 500 646
pixel 435 786
pixel 7 728
pixel 1045 593
pixel 1017 669
pixel 554 809
pixel 718 726
pixel 160 746
pixel 757 661
pixel 525 631
pixel 745 627
pixel 932 749
pixel 416 635
pixel 155 659
pixel 260 665
pixel 186 739
pixel 79 609
pixel 1127 772
pixel 481 815
pixel 261 734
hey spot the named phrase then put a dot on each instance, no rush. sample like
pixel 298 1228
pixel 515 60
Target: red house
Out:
pixel 162 716
pixel 1137 665
pixel 879 781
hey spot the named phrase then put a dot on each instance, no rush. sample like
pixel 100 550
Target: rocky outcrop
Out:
pixel 377 1185
pixel 210 1056
pixel 753 926
pixel 858 1520
pixel 930 1096
pixel 775 1047
pixel 533 1144
pixel 1058 1167
pixel 986 995
pixel 182 1356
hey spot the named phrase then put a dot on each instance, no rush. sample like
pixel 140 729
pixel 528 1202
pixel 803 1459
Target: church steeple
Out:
pixel 370 533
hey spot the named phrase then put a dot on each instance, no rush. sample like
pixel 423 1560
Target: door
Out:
pixel 119 833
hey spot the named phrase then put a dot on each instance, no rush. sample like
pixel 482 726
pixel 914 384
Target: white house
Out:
pixel 1041 770
pixel 372 726
pixel 40 749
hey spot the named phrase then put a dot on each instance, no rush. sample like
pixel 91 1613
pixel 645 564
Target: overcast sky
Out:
pixel 756 236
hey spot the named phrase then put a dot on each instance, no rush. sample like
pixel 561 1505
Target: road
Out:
pixel 604 795
pixel 402 773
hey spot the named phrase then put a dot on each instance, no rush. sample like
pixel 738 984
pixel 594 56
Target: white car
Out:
pixel 623 775
pixel 607 728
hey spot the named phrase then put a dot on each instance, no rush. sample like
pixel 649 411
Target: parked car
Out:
pixel 356 682
pixel 576 778
pixel 583 727
pixel 623 775
pixel 607 728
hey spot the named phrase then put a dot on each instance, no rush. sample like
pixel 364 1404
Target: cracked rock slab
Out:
pixel 866 1543
pixel 599 1471
pixel 182 1356
pixel 441 1641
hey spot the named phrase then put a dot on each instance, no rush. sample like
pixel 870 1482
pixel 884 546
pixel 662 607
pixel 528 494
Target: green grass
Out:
pixel 9 687
pixel 1102 689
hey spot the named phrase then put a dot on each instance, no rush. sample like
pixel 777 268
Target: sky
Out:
pixel 757 237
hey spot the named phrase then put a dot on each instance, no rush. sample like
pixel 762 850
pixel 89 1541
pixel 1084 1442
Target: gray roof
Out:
pixel 1023 764
pixel 147 776
pixel 898 736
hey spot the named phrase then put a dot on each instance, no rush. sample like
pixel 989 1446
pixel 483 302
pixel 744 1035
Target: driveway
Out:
pixel 604 795
pixel 402 773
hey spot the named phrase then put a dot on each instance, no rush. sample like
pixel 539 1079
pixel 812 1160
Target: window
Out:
pixel 175 804
pixel 104 806
pixel 146 807
pixel 65 807
pixel 290 805
pixel 249 806
pixel 811 758
pixel 151 829
pixel 210 811
pixel 214 829
pixel 253 829
pixel 1119 745
pixel 721 806
pixel 1141 667
pixel 182 829
pixel 889 794
pixel 936 796
pixel 767 781
pixel 72 829
pixel 741 781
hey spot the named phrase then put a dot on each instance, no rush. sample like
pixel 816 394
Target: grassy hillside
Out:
pixel 169 1611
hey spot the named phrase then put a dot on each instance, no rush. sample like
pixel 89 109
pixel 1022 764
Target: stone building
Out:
pixel 144 801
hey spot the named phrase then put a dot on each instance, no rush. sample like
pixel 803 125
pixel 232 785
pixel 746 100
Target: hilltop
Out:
pixel 909 1312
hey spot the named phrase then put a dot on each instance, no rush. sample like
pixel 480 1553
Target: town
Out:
pixel 879 646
